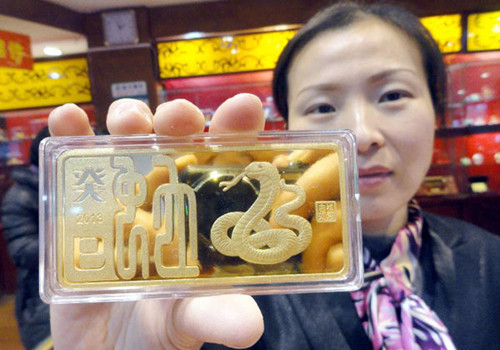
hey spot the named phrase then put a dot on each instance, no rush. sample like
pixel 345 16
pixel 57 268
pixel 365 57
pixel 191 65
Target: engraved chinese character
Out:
pixel 326 211
pixel 89 208
pixel 16 52
pixel 90 256
pixel 130 189
pixel 176 197
pixel 90 182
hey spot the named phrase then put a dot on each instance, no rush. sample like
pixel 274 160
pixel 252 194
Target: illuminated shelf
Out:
pixel 467 130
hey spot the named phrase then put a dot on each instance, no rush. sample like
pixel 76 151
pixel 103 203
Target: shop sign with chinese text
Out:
pixel 15 50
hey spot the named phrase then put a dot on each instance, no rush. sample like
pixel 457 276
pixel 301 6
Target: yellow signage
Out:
pixel 483 31
pixel 446 30
pixel 223 54
pixel 49 83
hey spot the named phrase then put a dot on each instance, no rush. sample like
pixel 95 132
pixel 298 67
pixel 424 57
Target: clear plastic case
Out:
pixel 134 217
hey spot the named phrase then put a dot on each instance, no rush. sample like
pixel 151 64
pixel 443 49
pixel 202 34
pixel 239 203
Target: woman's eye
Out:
pixel 393 96
pixel 322 109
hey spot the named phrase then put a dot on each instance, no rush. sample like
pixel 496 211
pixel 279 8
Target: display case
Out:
pixel 209 92
pixel 467 146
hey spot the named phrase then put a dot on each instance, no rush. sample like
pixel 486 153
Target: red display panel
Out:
pixel 18 128
pixel 209 92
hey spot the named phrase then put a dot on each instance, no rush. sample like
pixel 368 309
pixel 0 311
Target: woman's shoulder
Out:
pixel 458 234
pixel 443 224
pixel 463 285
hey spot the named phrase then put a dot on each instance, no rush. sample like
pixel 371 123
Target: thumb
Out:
pixel 233 320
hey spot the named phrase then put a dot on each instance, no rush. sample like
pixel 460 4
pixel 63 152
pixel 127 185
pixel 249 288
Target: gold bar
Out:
pixel 130 217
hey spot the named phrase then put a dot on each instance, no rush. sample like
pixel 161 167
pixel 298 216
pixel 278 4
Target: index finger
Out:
pixel 69 120
pixel 241 113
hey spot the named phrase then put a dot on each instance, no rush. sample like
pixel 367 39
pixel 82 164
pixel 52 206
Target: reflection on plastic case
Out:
pixel 127 218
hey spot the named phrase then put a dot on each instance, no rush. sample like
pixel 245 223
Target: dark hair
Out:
pixel 36 143
pixel 343 14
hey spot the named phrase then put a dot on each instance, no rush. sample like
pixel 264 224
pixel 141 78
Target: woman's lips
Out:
pixel 372 177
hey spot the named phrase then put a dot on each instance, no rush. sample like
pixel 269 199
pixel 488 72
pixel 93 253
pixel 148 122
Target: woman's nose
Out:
pixel 366 125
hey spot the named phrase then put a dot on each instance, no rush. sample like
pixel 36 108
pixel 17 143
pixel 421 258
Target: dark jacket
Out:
pixel 20 223
pixel 460 282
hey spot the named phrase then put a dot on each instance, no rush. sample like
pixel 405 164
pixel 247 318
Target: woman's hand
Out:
pixel 232 320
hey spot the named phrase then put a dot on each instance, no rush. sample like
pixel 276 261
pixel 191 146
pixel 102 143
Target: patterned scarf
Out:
pixel 392 316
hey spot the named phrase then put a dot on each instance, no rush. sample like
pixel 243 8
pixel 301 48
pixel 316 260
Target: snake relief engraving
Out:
pixel 253 239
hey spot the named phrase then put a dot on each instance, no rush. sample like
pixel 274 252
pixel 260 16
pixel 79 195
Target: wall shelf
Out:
pixel 467 130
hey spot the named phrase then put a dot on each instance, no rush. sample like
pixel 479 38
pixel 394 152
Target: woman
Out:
pixel 375 71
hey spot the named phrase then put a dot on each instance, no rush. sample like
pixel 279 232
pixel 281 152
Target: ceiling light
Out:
pixel 280 27
pixel 54 75
pixel 52 51
pixel 193 35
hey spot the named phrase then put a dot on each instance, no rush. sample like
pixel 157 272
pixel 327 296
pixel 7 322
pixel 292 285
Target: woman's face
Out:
pixel 369 77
